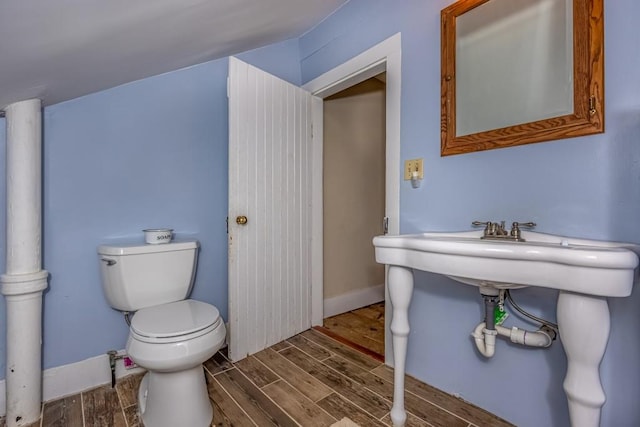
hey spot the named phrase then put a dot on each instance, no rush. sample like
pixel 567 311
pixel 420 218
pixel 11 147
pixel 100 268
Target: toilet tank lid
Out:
pixel 137 248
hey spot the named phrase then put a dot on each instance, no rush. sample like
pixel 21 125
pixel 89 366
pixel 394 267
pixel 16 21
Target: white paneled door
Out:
pixel 269 209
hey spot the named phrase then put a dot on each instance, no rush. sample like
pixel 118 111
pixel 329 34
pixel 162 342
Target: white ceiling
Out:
pixel 61 49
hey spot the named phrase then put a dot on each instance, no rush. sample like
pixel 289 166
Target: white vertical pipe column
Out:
pixel 24 281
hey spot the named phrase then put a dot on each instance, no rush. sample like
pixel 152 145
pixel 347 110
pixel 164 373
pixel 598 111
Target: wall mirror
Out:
pixel 520 71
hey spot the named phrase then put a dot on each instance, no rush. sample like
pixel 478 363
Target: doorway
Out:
pixel 383 57
pixel 354 134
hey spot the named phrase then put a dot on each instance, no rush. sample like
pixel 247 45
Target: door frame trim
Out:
pixel 385 56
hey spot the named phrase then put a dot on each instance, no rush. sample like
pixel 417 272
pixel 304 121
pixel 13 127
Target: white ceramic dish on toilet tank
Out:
pixel 155 236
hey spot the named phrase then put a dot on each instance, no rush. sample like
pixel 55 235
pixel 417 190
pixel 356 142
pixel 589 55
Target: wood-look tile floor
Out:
pixel 308 380
pixel 362 329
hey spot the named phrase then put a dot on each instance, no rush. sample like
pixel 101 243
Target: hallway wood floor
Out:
pixel 362 329
pixel 308 380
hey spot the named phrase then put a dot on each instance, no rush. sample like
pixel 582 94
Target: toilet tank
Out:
pixel 138 276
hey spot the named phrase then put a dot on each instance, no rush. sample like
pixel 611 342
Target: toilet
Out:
pixel 169 335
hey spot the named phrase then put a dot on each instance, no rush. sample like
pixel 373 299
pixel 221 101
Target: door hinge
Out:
pixel 385 225
pixel 227 220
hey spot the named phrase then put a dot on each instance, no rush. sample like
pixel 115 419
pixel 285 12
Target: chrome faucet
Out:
pixel 491 229
pixel 497 231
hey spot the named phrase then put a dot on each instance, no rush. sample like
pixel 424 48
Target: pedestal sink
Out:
pixel 585 272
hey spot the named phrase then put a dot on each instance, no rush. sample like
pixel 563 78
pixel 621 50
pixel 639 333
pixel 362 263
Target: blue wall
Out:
pixel 154 153
pixel 586 187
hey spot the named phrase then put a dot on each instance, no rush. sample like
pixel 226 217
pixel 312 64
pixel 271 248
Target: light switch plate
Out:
pixel 413 165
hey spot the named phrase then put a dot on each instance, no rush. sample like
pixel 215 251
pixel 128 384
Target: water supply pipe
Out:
pixel 24 280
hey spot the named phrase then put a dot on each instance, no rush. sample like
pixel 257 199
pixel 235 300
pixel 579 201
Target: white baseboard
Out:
pixel 74 378
pixel 353 300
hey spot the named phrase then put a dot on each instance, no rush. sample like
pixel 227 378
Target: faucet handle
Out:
pixel 515 228
pixel 480 223
pixel 523 224
pixel 487 225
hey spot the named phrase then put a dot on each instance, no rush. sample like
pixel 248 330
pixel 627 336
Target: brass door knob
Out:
pixel 241 220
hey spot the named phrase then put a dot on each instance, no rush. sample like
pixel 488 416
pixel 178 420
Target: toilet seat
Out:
pixel 175 321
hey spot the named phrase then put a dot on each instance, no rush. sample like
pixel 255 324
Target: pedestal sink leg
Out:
pixel 400 289
pixel 584 330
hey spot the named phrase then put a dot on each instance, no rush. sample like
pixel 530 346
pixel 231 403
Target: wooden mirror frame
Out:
pixel 588 89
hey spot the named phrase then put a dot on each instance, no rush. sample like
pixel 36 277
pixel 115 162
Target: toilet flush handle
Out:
pixel 109 262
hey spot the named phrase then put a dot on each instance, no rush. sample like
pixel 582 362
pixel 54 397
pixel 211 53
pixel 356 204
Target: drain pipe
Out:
pixel 24 280
pixel 485 338
pixel 543 337
pixel 485 333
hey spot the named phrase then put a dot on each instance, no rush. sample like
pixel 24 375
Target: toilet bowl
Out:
pixel 169 335
pixel 172 341
pixel 174 336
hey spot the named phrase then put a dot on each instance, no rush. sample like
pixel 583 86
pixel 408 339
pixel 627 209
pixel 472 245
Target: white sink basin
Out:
pixel 585 266
pixel 585 272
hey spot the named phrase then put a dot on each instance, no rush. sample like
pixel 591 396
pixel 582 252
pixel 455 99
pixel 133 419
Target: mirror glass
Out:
pixel 514 63
pixel 520 71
